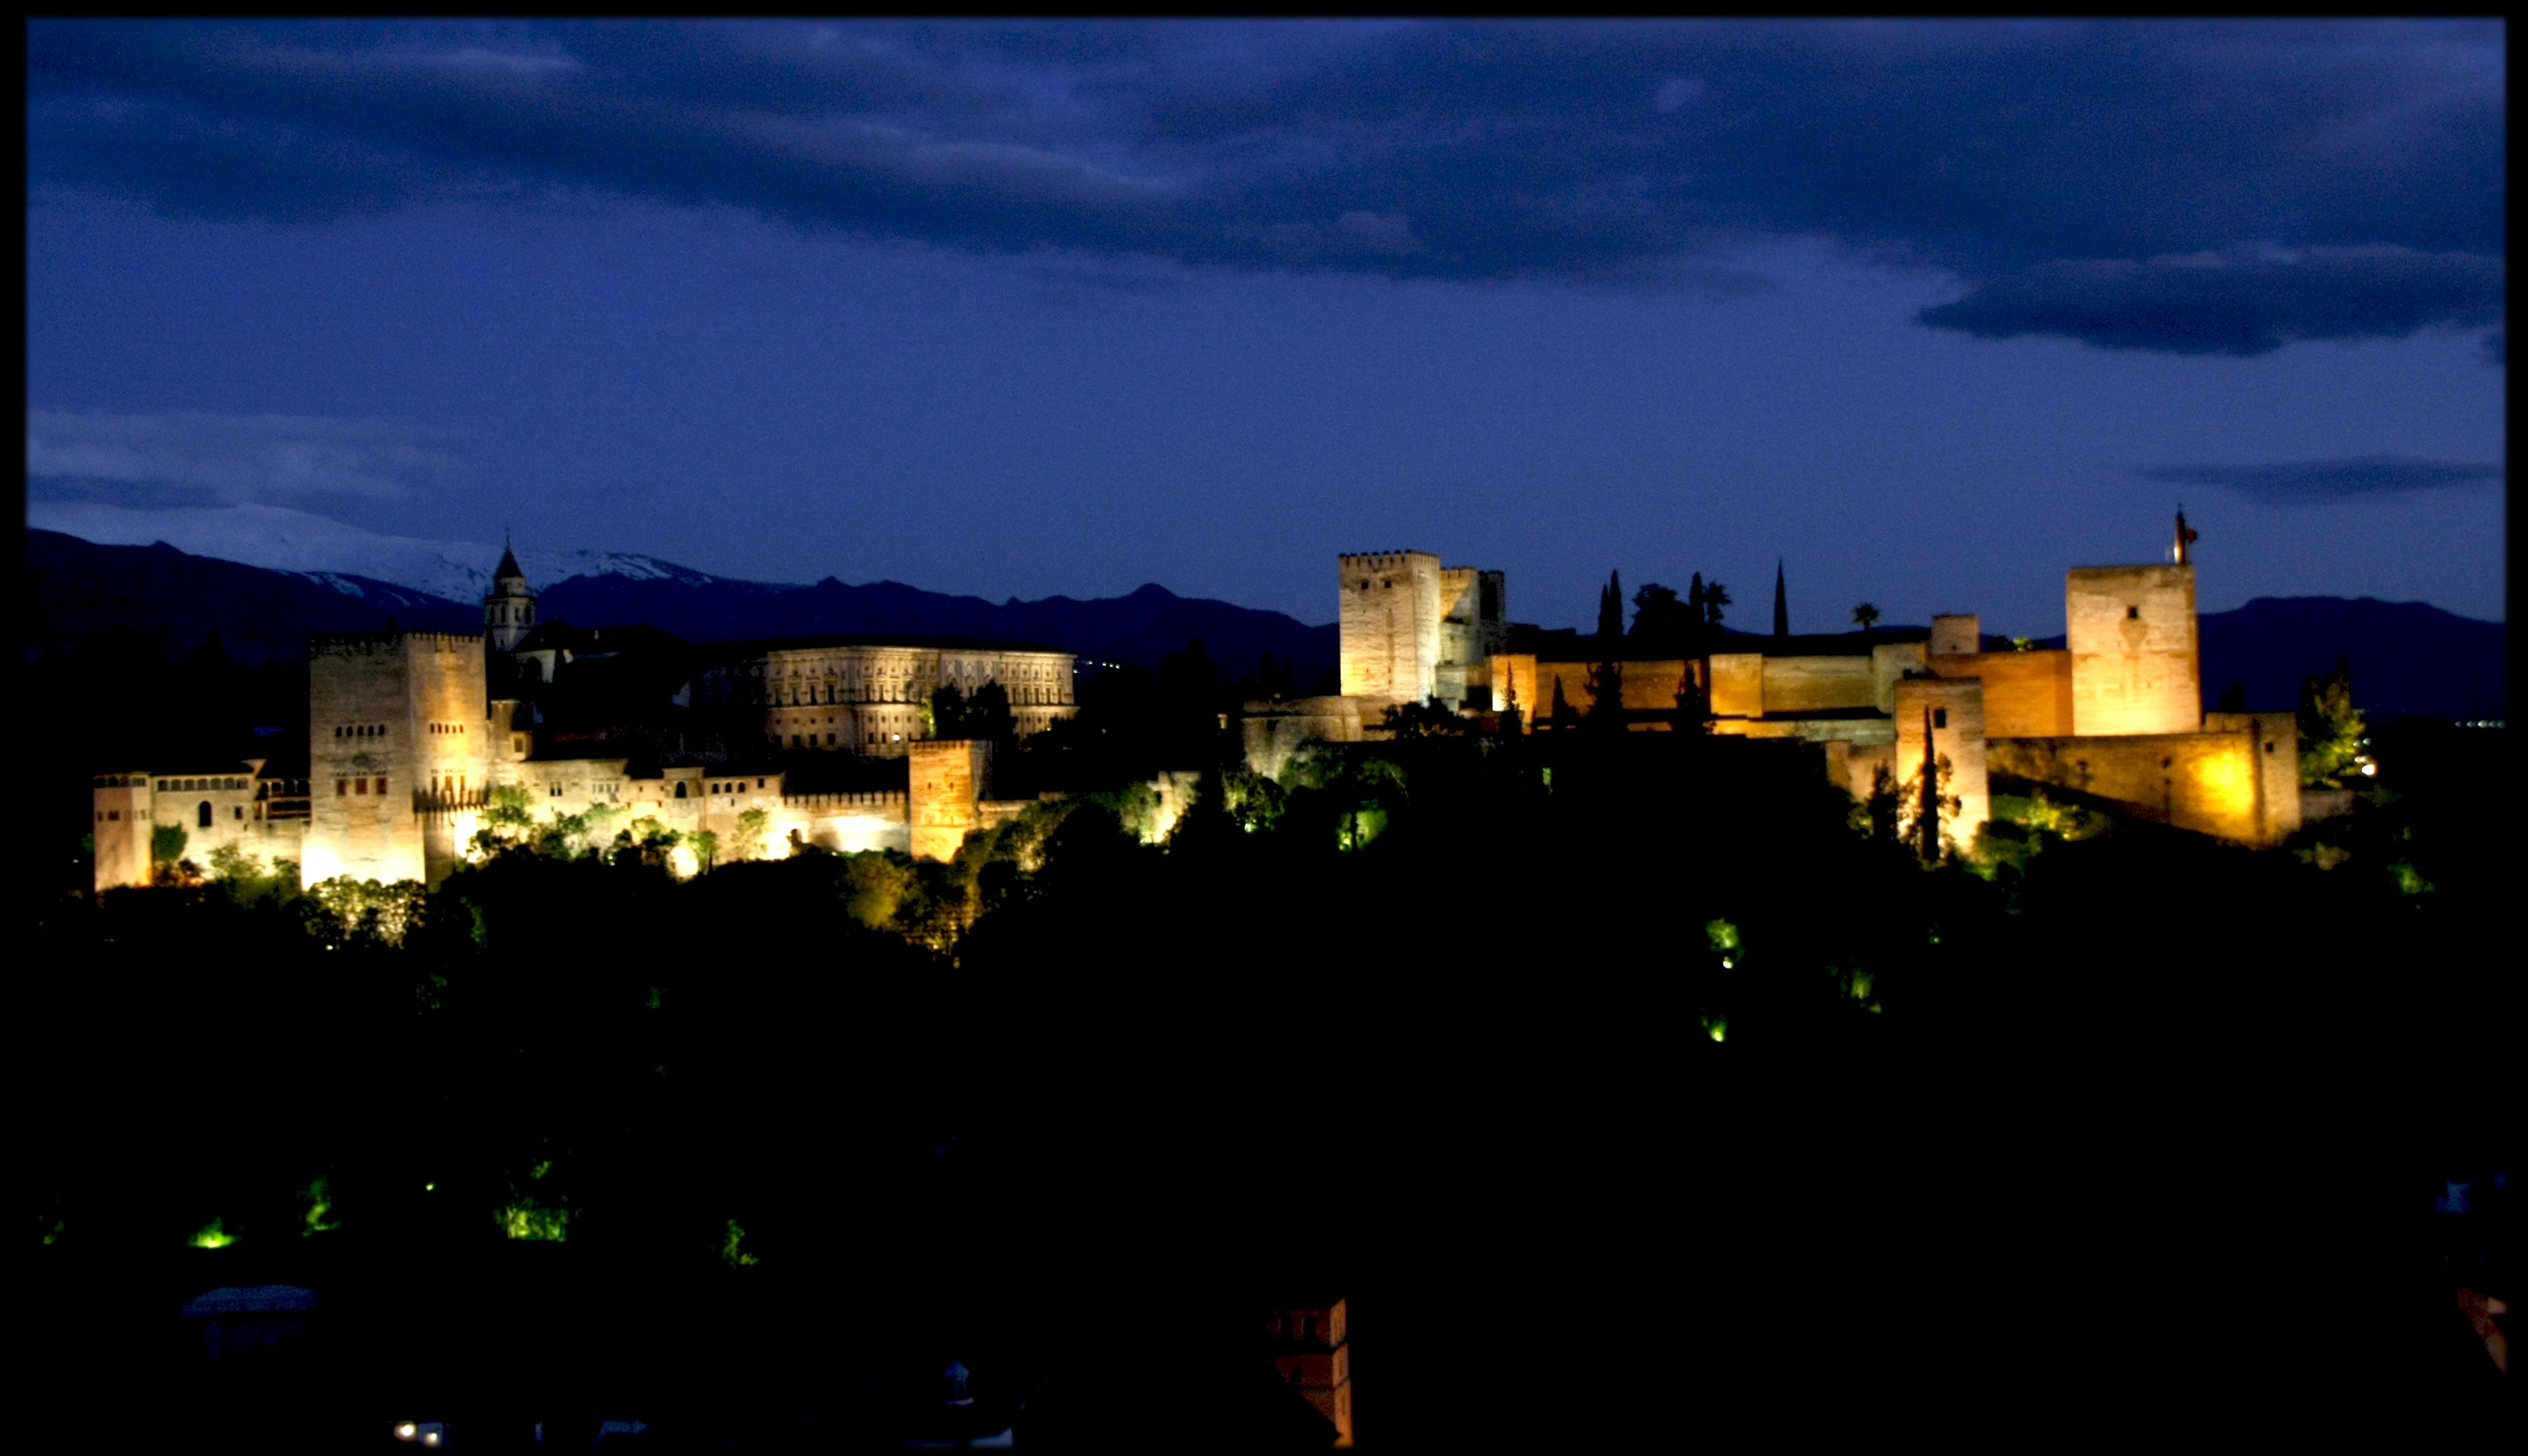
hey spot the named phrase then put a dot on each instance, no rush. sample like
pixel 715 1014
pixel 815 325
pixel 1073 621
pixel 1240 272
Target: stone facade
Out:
pixel 873 699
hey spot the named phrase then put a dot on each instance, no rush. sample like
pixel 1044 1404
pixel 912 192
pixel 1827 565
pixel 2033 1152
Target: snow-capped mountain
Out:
pixel 326 551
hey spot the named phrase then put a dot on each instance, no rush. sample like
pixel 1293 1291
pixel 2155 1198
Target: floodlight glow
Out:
pixel 407 1431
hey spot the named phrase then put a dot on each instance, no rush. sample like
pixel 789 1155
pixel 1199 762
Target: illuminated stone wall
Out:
pixel 2212 783
pixel 1388 631
pixel 1275 732
pixel 1951 711
pixel 2026 695
pixel 1803 685
pixel 2135 663
pixel 239 802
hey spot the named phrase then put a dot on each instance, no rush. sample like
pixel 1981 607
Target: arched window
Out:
pixel 202 815
pixel 680 789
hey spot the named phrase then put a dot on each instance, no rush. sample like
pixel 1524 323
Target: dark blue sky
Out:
pixel 1933 311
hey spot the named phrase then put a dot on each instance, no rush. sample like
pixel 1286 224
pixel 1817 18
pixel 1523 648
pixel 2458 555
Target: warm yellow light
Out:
pixel 407 1431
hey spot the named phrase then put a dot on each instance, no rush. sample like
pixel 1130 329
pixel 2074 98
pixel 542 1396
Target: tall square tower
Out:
pixel 2135 666
pixel 1391 620
pixel 398 742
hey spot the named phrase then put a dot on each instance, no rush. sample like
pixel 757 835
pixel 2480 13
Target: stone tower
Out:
pixel 1310 1353
pixel 2135 666
pixel 400 752
pixel 1391 620
pixel 509 610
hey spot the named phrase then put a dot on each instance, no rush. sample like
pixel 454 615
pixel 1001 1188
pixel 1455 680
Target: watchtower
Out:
pixel 399 748
pixel 2136 664
pixel 1389 633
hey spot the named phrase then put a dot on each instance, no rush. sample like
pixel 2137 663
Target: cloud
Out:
pixel 180 459
pixel 1557 153
pixel 2309 482
pixel 2206 303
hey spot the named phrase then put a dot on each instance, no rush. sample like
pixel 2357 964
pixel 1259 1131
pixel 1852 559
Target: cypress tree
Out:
pixel 1610 606
pixel 1781 602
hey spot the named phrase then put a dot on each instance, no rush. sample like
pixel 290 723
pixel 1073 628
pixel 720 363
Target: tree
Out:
pixel 1865 616
pixel 945 715
pixel 1420 720
pixel 1610 607
pixel 1660 618
pixel 1714 598
pixel 166 844
pixel 2331 728
pixel 748 841
pixel 706 843
pixel 988 715
pixel 1605 695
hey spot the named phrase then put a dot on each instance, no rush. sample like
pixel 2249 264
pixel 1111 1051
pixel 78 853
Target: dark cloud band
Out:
pixel 2308 482
pixel 1601 153
pixel 2206 305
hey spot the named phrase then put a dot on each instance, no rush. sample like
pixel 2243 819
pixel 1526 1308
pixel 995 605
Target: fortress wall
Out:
pixel 1514 678
pixel 1738 684
pixel 1805 685
pixel 2275 744
pixel 1950 709
pixel 1890 661
pixel 2131 631
pixel 2206 782
pixel 2026 695
pixel 1275 732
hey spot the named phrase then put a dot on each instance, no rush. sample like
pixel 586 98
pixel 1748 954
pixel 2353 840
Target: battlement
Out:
pixel 891 800
pixel 1377 560
pixel 357 643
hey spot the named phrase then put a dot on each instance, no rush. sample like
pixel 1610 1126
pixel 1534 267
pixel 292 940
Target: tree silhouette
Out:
pixel 1610 607
pixel 1865 616
pixel 1714 598
pixel 1660 618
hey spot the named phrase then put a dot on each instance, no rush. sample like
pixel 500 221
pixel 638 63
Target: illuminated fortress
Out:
pixel 409 733
pixel 2115 715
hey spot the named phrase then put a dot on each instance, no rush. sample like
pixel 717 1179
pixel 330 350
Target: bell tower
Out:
pixel 509 610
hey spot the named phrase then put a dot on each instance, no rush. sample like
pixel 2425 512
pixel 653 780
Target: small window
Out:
pixel 360 786
pixel 341 787
pixel 2269 747
pixel 238 810
pixel 1940 717
pixel 2131 612
pixel 680 789
pixel 202 815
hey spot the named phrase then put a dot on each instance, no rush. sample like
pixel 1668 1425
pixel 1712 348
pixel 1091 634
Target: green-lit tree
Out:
pixel 2331 728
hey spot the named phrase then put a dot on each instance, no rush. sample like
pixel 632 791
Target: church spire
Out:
pixel 1781 602
pixel 510 607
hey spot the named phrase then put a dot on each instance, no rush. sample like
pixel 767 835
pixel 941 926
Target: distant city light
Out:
pixel 407 1431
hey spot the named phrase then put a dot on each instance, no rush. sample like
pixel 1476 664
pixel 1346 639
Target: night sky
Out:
pixel 1929 311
